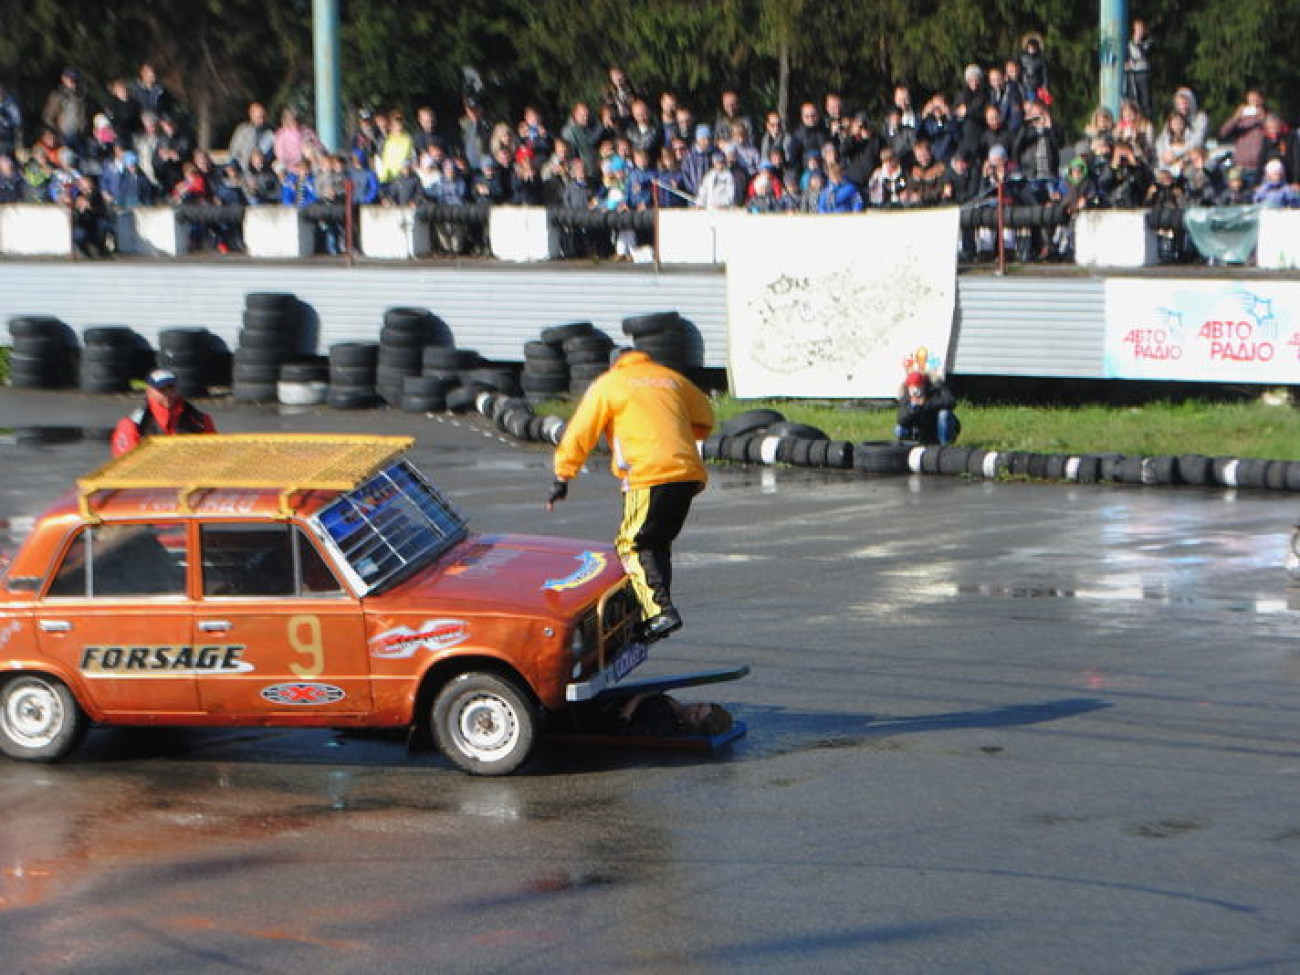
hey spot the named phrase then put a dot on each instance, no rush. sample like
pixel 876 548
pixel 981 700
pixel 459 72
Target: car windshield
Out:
pixel 394 522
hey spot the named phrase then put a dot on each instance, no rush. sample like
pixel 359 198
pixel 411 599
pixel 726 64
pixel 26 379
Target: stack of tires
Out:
pixel 764 436
pixel 44 353
pixel 406 333
pixel 193 354
pixel 662 336
pixel 271 336
pixel 546 372
pixel 304 381
pixel 111 356
pixel 352 367
pixel 442 380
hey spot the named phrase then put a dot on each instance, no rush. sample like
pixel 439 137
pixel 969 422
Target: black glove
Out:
pixel 559 491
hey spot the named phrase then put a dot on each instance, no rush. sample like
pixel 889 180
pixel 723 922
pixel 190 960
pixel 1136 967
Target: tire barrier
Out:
pixel 271 336
pixel 112 356
pixel 198 357
pixel 44 354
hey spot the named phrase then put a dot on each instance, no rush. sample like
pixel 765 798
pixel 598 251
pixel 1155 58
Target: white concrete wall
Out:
pixel 35 230
pixel 1113 238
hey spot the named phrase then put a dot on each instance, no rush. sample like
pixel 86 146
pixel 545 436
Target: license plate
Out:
pixel 632 656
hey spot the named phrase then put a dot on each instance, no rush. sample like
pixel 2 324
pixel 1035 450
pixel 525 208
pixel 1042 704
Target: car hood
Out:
pixel 511 574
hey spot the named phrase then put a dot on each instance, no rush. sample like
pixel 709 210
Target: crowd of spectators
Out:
pixel 993 142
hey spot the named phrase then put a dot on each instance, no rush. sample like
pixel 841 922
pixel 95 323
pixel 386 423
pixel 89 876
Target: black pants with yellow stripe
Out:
pixel 652 520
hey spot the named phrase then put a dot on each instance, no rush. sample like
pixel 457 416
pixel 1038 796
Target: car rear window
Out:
pixel 393 522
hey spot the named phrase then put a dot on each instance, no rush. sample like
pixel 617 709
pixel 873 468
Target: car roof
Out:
pixel 187 473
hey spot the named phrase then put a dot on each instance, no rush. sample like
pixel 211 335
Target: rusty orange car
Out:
pixel 308 581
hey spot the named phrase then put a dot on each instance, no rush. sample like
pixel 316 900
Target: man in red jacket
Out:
pixel 164 413
pixel 651 417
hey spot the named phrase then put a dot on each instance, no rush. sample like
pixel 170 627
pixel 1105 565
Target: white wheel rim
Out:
pixel 487 726
pixel 33 714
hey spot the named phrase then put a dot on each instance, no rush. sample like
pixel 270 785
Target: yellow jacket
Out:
pixel 651 417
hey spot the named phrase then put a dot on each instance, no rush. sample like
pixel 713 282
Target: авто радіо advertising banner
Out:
pixel 829 306
pixel 1234 331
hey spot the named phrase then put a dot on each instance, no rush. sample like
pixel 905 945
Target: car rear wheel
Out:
pixel 40 720
pixel 484 724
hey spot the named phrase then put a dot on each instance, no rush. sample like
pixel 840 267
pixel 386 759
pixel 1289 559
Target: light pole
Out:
pixel 325 51
pixel 1112 37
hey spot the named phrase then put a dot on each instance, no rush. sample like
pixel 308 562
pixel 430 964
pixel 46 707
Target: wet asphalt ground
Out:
pixel 993 728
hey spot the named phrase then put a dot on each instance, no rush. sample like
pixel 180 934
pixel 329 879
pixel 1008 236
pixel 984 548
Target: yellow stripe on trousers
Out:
pixel 636 507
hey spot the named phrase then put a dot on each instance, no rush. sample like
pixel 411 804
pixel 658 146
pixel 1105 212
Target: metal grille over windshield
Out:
pixel 390 523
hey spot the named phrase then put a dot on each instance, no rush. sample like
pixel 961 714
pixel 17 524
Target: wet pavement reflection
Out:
pixel 1003 727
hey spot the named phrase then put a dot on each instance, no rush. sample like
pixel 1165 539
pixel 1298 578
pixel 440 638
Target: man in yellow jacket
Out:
pixel 651 417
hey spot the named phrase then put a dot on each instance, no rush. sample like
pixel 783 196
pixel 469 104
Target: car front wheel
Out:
pixel 484 724
pixel 40 720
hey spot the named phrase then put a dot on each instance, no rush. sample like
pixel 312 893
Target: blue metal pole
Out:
pixel 1112 39
pixel 325 49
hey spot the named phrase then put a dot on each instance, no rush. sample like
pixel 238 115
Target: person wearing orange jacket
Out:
pixel 651 417
pixel 164 412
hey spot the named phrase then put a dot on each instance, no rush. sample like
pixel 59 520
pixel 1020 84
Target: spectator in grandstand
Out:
pixel 125 184
pixel 367 137
pixel 961 180
pixel 765 193
pixel 404 189
pixel 808 136
pixel 494 182
pixel 1137 66
pixel 261 183
pixel 641 130
pixel 812 183
pixel 426 133
pixel 1032 61
pixel 1245 127
pixel 888 184
pixel 1277 139
pixel 969 107
pixel 925 176
pixel 1235 191
pixel 717 187
pixel 253 133
pixel 940 127
pixel 1007 99
pixel 583 133
pixel 146 144
pixel 123 112
pixel 834 117
pixel 365 184
pixel 730 115
pixel 90 218
pixel 1274 192
pixel 1198 182
pixel 860 150
pixel 896 135
pixel 292 139
pixel 641 177
pixel 668 118
pixel 1037 151
pixel 699 160
pixel 908 117
pixel 1101 124
pixel 68 110
pixel 1198 123
pixel 535 136
pixel 1132 177
pixel 527 189
pixel 11 122
pixel 1173 143
pixel 1135 130
pixel 299 186
pixel 148 93
pixel 13 188
pixel 475 130
pixel 995 133
pixel 838 195
pixel 102 140
pixel 174 149
pixel 398 148
pixel 671 191
pixel 743 153
pixel 774 137
pixel 619 97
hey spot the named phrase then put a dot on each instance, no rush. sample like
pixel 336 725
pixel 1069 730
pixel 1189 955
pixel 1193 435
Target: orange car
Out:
pixel 307 581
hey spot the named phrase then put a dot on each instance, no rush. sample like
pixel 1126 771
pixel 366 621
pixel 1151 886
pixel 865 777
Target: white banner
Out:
pixel 829 306
pixel 1226 331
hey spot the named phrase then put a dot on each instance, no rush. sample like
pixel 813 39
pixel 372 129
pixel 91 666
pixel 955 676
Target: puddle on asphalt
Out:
pixel 49 435
pixel 1131 594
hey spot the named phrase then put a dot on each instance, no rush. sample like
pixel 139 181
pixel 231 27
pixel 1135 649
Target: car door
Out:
pixel 266 588
pixel 116 611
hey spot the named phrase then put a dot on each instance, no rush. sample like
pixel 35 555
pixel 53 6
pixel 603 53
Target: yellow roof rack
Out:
pixel 285 462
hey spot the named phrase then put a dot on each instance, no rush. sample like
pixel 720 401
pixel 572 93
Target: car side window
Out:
pixel 124 560
pixel 245 559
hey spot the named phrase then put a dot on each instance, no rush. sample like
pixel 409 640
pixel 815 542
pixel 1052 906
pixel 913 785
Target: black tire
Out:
pixel 557 335
pixel 786 428
pixel 839 454
pixel 750 421
pixel 1251 471
pixel 586 357
pixel 1089 469
pixel 1275 475
pixel 800 453
pixel 881 457
pixel 270 301
pixel 587 371
pixel 549 385
pixel 1194 469
pixel 352 375
pixel 250 391
pixel 312 370
pixel 738 449
pixel 256 372
pixel 184 339
pixel 953 460
pixel 289 322
pixel 1055 470
pixel 552 369
pixel 975 462
pixel 484 724
pixel 408 358
pixel 461 399
pixel 22 326
pixel 595 342
pixel 40 720
pixel 351 398
pixel 422 404
pixel 654 323
pixel 109 336
pixel 1293 475
pixel 535 430
pixel 709 448
pixel 354 354
pixel 1037 468
pixel 817 452
pixel 503 380
pixel 408 317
